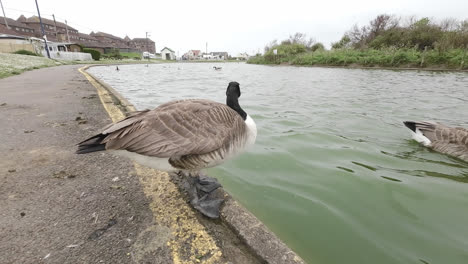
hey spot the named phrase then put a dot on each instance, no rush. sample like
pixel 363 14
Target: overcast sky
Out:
pixel 232 26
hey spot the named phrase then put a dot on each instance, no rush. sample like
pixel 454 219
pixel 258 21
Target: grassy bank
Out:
pixel 131 54
pixel 14 64
pixel 399 58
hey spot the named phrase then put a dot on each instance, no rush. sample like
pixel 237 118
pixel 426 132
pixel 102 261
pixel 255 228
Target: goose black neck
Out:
pixel 233 102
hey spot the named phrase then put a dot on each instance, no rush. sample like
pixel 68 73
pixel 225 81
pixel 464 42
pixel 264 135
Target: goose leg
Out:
pixel 202 195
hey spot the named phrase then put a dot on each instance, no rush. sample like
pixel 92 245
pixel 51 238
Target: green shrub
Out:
pixel 259 60
pixel 285 53
pixel 113 54
pixel 317 46
pixel 25 52
pixel 96 55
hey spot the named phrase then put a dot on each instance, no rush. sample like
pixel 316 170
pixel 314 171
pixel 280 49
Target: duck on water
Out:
pixel 182 136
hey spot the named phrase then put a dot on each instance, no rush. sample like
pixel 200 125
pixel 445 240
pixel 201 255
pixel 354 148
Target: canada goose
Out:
pixel 217 68
pixel 184 135
pixel 449 140
pixel 117 68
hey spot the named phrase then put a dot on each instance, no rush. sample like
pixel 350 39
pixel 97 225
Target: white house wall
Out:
pixel 171 55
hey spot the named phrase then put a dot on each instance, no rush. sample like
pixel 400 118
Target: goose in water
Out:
pixel 217 68
pixel 449 140
pixel 184 135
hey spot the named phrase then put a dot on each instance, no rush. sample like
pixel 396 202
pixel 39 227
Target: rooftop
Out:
pixel 12 22
pixel 167 49
pixel 142 39
pixel 35 19
pixel 107 35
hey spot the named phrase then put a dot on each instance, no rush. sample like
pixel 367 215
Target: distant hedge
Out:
pixel 25 52
pixel 96 55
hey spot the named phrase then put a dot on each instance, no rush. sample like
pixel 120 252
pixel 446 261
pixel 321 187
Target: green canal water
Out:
pixel 334 172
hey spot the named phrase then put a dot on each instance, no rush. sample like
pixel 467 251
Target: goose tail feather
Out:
pixel 422 131
pixel 91 144
pixel 424 126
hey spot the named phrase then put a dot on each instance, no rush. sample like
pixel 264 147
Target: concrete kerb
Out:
pixel 256 236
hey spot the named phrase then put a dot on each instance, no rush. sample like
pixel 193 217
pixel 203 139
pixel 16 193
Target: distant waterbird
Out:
pixel 444 139
pixel 217 68
pixel 182 136
pixel 117 68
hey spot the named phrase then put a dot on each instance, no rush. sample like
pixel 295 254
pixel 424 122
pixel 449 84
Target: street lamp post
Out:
pixel 147 49
pixel 4 17
pixel 43 32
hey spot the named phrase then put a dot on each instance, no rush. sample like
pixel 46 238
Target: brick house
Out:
pixel 17 27
pixel 61 33
pixel 55 31
pixel 106 37
pixel 7 31
pixel 123 44
pixel 143 44
pixel 192 55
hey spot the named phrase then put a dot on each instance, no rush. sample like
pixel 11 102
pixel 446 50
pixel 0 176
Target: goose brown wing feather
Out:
pixel 129 120
pixel 445 139
pixel 452 135
pixel 177 128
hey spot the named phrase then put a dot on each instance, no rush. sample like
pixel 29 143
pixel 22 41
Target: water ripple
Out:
pixel 334 169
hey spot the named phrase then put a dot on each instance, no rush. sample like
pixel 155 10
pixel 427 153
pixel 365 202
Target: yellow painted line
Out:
pixel 190 242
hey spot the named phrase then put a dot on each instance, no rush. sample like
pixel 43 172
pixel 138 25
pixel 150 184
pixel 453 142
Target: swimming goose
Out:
pixel 449 140
pixel 217 68
pixel 184 135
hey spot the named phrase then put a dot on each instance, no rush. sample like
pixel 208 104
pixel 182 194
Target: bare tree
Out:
pixel 271 45
pixel 449 24
pixel 382 23
pixel 299 38
pixel 358 36
pixel 407 22
pixel 463 26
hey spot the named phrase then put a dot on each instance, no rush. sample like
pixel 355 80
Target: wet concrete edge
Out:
pixel 256 236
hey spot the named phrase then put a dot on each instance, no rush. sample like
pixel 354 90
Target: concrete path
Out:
pixel 59 207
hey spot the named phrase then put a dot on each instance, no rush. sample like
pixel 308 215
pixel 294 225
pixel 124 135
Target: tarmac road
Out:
pixel 60 207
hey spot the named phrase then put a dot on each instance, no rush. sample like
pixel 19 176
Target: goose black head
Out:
pixel 233 89
pixel 232 95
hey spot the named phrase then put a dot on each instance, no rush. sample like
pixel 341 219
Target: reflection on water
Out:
pixel 334 172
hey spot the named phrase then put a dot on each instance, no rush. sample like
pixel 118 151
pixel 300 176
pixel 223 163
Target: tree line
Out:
pixel 386 31
pixel 387 41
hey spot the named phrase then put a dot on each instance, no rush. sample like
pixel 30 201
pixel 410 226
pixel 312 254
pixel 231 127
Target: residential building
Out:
pixel 18 28
pixel 167 54
pixel 59 32
pixel 54 30
pixel 243 56
pixel 219 55
pixel 7 31
pixel 192 55
pixel 143 44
